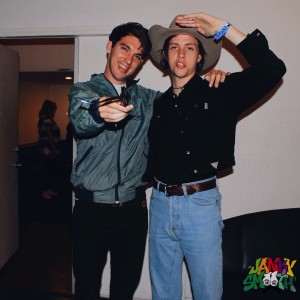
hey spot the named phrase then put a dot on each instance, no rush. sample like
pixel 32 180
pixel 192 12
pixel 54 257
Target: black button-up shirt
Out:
pixel 190 133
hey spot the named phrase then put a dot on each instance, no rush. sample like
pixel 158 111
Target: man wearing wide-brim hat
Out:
pixel 192 137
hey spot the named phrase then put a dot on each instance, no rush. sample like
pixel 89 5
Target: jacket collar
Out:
pixel 102 78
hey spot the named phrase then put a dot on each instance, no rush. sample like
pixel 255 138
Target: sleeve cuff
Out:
pixel 95 113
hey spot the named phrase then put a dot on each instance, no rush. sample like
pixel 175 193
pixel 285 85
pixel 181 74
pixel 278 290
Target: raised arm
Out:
pixel 210 26
pixel 265 69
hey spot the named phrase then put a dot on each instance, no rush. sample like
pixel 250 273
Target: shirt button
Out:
pixel 181 131
pixel 175 105
pixel 188 152
pixel 195 171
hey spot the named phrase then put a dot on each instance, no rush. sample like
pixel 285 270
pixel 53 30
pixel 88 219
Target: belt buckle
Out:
pixel 165 191
pixel 174 190
pixel 169 190
pixel 163 186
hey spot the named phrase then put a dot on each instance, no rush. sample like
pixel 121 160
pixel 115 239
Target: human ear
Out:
pixel 199 58
pixel 108 46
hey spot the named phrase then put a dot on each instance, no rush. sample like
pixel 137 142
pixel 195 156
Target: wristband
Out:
pixel 222 31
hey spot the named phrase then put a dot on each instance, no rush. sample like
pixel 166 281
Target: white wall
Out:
pixel 266 175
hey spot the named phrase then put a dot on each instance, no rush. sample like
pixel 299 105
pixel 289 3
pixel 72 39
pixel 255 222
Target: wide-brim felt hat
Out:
pixel 158 35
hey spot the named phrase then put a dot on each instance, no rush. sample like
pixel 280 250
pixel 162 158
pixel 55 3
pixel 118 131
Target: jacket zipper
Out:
pixel 117 196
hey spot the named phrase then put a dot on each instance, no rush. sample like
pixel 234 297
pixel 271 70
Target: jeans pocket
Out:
pixel 206 198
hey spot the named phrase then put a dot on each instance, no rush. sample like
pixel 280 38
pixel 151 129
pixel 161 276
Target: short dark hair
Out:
pixel 164 56
pixel 134 29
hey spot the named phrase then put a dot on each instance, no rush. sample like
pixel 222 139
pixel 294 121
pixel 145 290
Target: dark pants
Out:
pixel 99 228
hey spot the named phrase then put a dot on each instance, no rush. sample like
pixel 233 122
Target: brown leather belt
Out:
pixel 177 190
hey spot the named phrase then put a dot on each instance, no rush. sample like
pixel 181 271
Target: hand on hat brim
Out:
pixel 159 34
pixel 206 24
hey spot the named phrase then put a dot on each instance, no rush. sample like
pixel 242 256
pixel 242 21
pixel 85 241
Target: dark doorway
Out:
pixel 42 264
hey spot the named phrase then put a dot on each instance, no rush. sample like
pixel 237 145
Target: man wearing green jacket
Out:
pixel 110 212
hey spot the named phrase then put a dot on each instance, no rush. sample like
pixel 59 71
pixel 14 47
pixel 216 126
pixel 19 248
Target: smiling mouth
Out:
pixel 123 68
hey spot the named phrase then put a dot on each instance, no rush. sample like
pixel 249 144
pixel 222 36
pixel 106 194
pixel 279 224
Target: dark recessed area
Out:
pixel 53 77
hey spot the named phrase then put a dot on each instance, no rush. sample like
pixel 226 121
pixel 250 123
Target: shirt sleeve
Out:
pixel 83 112
pixel 260 76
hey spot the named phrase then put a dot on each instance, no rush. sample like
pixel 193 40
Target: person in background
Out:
pixel 49 148
pixel 110 114
pixel 192 137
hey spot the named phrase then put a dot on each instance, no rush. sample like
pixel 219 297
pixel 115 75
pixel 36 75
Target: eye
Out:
pixel 138 57
pixel 124 48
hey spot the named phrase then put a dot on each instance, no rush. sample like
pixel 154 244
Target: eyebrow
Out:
pixel 140 48
pixel 125 45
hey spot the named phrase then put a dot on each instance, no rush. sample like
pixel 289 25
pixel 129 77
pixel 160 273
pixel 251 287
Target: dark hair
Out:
pixel 48 109
pixel 164 55
pixel 134 29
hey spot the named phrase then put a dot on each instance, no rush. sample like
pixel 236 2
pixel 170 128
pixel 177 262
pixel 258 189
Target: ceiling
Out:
pixel 43 54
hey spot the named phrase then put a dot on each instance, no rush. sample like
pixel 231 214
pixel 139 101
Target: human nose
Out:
pixel 128 58
pixel 181 53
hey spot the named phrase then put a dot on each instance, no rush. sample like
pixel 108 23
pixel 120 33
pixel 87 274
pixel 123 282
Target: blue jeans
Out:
pixel 186 227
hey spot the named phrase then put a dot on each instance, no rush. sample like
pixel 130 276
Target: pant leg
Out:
pixel 90 247
pixel 127 251
pixel 165 254
pixel 201 238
